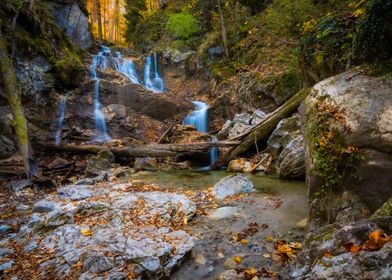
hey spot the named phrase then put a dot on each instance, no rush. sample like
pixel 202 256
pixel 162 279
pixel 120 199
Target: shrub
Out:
pixel 182 25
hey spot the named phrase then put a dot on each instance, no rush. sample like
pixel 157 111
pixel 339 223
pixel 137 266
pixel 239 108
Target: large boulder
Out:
pixel 232 185
pixel 69 16
pixel 349 116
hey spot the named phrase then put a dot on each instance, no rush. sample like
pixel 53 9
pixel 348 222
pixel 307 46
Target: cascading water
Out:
pixel 199 119
pixel 156 84
pixel 99 61
pixel 126 67
pixel 60 120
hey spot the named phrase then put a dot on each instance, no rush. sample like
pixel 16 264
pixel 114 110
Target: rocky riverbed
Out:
pixel 117 227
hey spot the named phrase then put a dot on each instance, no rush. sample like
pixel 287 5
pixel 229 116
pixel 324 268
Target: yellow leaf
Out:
pixel 87 232
pixel 185 220
pixel 237 259
pixel 244 241
pixel 269 238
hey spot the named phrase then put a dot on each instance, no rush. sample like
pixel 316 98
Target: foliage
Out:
pixel 182 25
pixel 334 160
pixel 373 41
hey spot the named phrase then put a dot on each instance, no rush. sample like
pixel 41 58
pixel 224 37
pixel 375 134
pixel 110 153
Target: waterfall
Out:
pixel 99 61
pixel 126 67
pixel 155 85
pixel 199 119
pixel 60 120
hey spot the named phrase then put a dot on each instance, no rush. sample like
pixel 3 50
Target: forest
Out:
pixel 196 140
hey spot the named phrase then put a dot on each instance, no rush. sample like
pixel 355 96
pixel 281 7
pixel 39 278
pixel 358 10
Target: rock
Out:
pixel 35 80
pixel 21 185
pixel 75 22
pixel 231 185
pixel 240 123
pixel 146 163
pixel 312 263
pixel 7 147
pixel 6 265
pixel 215 52
pixel 364 105
pixel 118 229
pixel 286 130
pixel 231 274
pixel 385 210
pixel 44 206
pixel 245 166
pixel 113 111
pixel 4 229
pixel 176 56
pixel 97 165
pixel 222 213
pixel 97 264
pixel 291 161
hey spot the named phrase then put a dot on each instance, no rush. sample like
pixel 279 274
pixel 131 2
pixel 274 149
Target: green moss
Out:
pixel 385 210
pixel 333 159
pixel 69 68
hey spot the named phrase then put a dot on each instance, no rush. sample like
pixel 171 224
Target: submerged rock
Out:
pixel 222 213
pixel 231 185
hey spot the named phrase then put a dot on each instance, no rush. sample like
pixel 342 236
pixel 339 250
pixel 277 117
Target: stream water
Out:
pixel 60 120
pixel 279 208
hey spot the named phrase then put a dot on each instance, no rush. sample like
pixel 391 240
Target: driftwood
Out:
pixel 150 150
pixel 264 129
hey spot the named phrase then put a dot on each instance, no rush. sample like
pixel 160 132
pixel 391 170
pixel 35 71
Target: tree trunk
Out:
pixel 99 19
pixel 13 94
pixel 263 130
pixel 150 150
pixel 223 30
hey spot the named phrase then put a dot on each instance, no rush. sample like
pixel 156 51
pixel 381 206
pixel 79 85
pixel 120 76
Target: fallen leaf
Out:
pixel 185 221
pixel 244 241
pixel 200 259
pixel 250 273
pixel 355 249
pixel 269 238
pixel 328 255
pixel 376 240
pixel 87 232
pixel 237 259
pixel 221 255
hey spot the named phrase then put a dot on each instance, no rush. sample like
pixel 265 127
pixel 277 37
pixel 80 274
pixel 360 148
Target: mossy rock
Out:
pixel 385 210
pixel 70 70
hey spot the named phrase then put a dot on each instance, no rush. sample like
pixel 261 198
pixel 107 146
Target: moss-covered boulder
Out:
pixel 348 140
pixel 70 70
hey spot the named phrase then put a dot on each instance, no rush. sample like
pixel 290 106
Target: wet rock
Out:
pixel 231 185
pixel 113 111
pixel 4 229
pixel 222 213
pixel 70 17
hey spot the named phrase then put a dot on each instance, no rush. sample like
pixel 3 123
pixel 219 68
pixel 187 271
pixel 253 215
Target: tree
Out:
pixel 99 19
pixel 223 30
pixel 13 94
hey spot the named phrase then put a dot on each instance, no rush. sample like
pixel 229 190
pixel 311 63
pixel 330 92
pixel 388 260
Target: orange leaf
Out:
pixel 328 255
pixel 355 249
pixel 376 240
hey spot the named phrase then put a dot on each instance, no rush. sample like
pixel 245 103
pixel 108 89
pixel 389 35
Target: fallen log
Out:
pixel 264 129
pixel 150 150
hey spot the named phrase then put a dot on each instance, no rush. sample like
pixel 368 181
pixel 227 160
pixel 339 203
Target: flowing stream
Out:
pixel 156 84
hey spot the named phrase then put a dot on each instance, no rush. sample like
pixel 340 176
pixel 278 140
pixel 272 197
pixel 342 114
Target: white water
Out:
pixel 99 61
pixel 199 119
pixel 60 120
pixel 156 84
pixel 126 67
